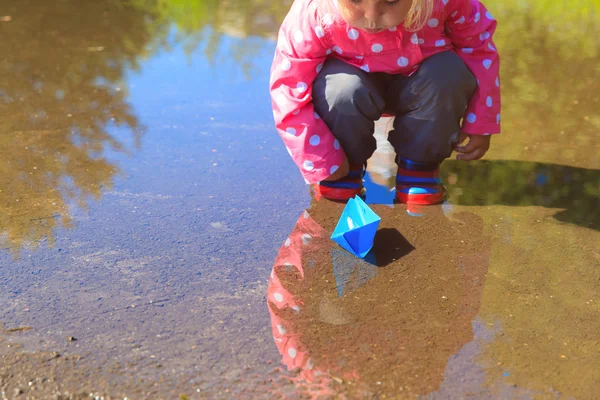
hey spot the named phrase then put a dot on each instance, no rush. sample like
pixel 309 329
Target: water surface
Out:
pixel 146 199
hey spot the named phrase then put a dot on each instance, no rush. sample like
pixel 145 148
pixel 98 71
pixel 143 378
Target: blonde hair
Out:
pixel 419 14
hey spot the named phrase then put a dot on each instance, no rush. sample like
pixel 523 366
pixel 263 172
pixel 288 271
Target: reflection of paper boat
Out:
pixel 352 273
pixel 356 228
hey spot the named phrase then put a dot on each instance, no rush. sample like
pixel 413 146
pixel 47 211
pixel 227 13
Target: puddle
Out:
pixel 146 202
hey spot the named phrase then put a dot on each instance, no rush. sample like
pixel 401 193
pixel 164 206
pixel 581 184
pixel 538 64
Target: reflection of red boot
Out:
pixel 342 189
pixel 418 184
pixel 415 210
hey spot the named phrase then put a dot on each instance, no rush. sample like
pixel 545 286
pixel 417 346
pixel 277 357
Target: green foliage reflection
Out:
pixel 64 65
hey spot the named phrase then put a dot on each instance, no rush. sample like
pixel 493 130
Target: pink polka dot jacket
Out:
pixel 313 32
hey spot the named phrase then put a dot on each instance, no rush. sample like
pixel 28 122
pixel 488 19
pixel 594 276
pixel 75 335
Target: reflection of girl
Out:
pixel 342 64
pixel 396 331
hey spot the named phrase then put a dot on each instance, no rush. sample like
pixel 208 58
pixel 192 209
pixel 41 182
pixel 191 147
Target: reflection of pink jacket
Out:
pixel 282 303
pixel 296 288
pixel 285 307
pixel 310 34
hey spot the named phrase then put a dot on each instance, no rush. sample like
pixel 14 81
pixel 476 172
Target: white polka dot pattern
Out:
pixel 377 48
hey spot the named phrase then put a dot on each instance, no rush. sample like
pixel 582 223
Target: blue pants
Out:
pixel 428 107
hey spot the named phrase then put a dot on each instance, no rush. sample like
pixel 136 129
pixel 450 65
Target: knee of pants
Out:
pixel 444 82
pixel 349 101
pixel 340 90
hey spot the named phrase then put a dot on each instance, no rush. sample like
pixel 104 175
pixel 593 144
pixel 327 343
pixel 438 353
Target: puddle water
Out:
pixel 157 241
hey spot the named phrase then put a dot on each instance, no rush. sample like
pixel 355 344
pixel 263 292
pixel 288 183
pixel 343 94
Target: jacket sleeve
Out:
pixel 300 54
pixel 470 27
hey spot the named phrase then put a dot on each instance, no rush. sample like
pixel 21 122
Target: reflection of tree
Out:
pixel 236 17
pixel 245 19
pixel 551 53
pixel 394 330
pixel 520 183
pixel 61 66
pixel 541 289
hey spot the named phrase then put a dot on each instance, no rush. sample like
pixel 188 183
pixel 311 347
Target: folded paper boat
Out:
pixel 356 228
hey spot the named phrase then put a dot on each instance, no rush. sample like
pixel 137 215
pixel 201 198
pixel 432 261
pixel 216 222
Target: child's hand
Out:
pixel 476 148
pixel 341 172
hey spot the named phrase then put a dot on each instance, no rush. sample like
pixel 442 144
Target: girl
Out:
pixel 342 64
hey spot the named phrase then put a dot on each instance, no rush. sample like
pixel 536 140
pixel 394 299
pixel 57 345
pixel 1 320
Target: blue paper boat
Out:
pixel 356 228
